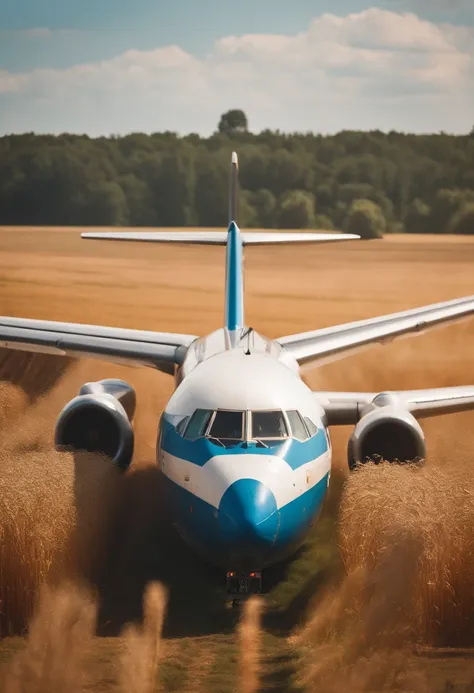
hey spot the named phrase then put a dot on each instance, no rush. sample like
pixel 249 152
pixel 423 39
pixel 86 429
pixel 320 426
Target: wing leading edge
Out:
pixel 347 408
pixel 332 343
pixel 160 350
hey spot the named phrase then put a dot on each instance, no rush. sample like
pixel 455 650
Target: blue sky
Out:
pixel 43 43
pixel 109 27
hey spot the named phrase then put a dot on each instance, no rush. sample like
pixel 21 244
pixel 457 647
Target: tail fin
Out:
pixel 234 277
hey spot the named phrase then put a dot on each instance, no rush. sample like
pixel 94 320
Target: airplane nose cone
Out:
pixel 248 520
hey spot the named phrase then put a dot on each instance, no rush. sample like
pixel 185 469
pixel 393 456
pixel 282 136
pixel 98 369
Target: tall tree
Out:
pixel 365 219
pixel 446 204
pixel 233 121
pixel 296 210
pixel 417 219
pixel 463 220
pixel 265 205
pixel 285 171
pixel 247 213
pixel 175 191
pixel 165 179
pixel 211 193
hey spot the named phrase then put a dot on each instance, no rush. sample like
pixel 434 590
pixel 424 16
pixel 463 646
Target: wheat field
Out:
pixel 387 570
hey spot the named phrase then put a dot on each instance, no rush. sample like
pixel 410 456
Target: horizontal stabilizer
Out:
pixel 219 237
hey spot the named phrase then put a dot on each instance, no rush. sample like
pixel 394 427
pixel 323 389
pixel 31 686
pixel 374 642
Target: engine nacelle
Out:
pixel 388 432
pixel 99 420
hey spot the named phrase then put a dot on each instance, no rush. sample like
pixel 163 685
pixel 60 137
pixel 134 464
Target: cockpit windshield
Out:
pixel 198 424
pixel 222 425
pixel 298 429
pixel 229 427
pixel 268 425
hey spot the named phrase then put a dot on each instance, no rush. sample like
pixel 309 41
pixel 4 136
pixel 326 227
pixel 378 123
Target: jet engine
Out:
pixel 387 431
pixel 99 420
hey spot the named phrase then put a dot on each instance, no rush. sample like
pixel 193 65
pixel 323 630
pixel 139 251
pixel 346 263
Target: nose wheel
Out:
pixel 241 586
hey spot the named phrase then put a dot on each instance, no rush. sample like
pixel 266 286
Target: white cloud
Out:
pixel 378 29
pixel 432 5
pixel 374 69
pixel 39 32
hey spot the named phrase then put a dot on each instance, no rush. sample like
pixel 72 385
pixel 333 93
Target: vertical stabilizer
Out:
pixel 233 190
pixel 234 292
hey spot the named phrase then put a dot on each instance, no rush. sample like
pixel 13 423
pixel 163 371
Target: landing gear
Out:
pixel 241 586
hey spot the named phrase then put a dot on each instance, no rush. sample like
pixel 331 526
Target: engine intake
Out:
pixel 387 433
pixel 99 420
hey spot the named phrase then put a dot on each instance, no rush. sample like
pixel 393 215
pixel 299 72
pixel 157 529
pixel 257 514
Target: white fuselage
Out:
pixel 250 499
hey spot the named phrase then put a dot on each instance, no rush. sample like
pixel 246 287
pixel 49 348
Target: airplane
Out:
pixel 243 443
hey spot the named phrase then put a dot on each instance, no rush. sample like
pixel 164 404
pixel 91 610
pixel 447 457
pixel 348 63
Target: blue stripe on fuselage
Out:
pixel 204 531
pixel 200 451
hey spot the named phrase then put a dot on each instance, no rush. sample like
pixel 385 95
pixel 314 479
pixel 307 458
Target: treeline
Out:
pixel 369 182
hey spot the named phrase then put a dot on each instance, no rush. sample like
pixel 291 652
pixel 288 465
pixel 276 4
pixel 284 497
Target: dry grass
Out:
pixel 55 510
pixel 431 509
pixel 59 636
pixel 249 639
pixel 359 638
pixel 60 639
pixel 60 643
pixel 406 537
pixel 139 664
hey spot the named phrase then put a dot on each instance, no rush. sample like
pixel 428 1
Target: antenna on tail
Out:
pixel 234 188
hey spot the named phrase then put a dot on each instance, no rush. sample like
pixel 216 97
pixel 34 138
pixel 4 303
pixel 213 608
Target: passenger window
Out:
pixel 268 424
pixel 312 428
pixel 198 424
pixel 298 429
pixel 228 425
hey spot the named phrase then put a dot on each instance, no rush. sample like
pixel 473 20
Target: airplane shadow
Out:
pixel 138 545
pixel 141 546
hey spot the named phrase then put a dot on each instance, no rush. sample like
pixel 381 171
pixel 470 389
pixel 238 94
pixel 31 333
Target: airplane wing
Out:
pixel 346 408
pixel 160 350
pixel 332 343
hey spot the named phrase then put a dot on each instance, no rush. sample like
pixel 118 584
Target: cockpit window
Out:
pixel 298 429
pixel 312 428
pixel 181 427
pixel 228 425
pixel 269 425
pixel 198 424
pixel 225 425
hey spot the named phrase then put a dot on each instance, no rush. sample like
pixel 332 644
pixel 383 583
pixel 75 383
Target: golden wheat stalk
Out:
pixel 139 661
pixel 60 634
pixel 423 520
